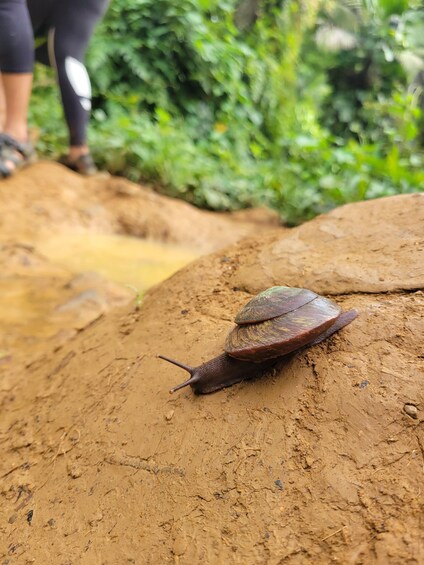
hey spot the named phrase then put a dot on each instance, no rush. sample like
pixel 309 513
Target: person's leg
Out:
pixel 17 92
pixel 70 28
pixel 16 66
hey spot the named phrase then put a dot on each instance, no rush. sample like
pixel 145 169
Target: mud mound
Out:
pixel 48 199
pixel 372 247
pixel 321 461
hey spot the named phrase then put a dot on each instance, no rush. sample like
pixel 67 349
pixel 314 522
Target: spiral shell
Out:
pixel 305 316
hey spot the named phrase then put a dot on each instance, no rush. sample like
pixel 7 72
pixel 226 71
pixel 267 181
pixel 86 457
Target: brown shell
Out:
pixel 284 334
pixel 274 302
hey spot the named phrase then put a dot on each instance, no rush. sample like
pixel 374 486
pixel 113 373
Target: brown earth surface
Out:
pixel 321 461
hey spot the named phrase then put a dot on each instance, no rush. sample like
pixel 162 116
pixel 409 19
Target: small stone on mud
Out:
pixel 279 484
pixel 126 189
pixel 168 417
pixel 74 471
pixel 180 546
pixel 309 461
pixel 411 410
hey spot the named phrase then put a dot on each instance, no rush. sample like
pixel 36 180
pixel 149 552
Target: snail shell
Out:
pixel 284 333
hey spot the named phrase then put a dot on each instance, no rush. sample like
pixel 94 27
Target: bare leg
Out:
pixel 17 92
pixel 16 64
pixel 16 88
pixel 76 151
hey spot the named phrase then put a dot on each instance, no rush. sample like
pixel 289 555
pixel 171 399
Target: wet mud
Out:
pixel 319 461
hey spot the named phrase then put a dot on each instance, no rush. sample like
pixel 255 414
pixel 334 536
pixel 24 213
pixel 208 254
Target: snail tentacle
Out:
pixel 192 370
pixel 190 381
pixel 178 364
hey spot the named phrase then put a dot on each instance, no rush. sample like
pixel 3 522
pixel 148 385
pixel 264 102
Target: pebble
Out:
pixel 124 189
pixel 74 471
pixel 180 545
pixel 411 410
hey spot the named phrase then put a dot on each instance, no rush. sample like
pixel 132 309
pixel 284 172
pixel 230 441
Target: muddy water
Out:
pixel 126 260
pixel 25 305
pixel 39 301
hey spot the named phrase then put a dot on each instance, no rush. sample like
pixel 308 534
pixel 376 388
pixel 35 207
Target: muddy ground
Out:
pixel 320 461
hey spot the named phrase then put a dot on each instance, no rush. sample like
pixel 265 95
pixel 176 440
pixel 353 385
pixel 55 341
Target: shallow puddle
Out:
pixel 25 305
pixel 20 301
pixel 38 302
pixel 126 260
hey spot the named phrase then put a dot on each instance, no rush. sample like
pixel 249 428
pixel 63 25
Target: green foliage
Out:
pixel 266 114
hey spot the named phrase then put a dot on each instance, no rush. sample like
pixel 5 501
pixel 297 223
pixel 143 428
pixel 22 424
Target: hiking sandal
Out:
pixel 84 165
pixel 15 152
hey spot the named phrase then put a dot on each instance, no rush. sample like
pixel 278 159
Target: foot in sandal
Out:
pixel 83 164
pixel 14 155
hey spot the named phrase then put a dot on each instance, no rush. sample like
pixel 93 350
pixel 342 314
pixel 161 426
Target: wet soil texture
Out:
pixel 320 461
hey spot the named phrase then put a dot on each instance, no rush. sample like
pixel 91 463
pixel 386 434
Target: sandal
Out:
pixel 15 152
pixel 84 165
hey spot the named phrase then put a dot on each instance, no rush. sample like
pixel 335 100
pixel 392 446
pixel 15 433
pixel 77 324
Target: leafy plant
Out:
pixel 227 114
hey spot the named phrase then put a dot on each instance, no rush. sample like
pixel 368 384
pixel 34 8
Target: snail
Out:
pixel 276 322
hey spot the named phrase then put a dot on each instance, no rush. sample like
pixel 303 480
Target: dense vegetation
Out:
pixel 302 105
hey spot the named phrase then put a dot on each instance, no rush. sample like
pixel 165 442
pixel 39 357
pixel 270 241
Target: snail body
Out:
pixel 273 324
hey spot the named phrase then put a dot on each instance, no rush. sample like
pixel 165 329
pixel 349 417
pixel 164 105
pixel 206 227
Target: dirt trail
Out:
pixel 321 461
pixel 47 199
pixel 56 227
